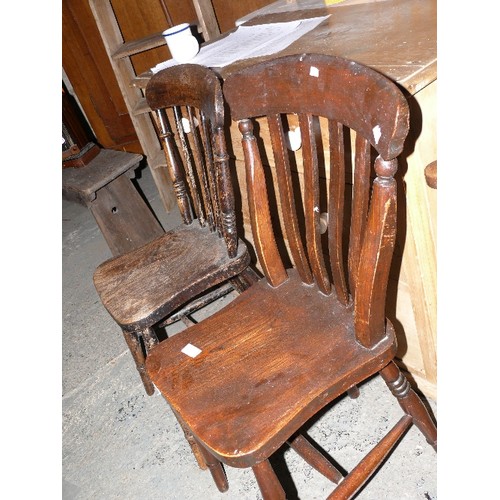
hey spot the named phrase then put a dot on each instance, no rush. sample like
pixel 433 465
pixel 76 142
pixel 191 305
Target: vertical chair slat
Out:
pixel 287 200
pixel 174 165
pixel 199 162
pixel 258 203
pixel 336 208
pixel 376 256
pixel 311 203
pixel 226 193
pixel 361 193
pixel 211 171
pixel 191 180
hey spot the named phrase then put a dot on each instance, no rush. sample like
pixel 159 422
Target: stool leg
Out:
pixel 410 402
pixel 134 344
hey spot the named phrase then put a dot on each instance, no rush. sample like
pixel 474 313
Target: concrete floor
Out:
pixel 118 443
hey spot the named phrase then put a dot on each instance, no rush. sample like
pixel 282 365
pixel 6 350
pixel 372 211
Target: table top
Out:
pixel 395 37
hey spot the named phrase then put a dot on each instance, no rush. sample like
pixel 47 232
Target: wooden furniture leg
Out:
pixel 410 402
pixel 268 482
pixel 314 458
pixel 216 469
pixel 134 344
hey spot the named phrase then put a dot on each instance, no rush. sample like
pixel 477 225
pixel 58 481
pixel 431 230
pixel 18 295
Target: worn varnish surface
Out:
pixel 104 186
pixel 315 326
pixel 395 37
pixel 251 384
pixel 142 287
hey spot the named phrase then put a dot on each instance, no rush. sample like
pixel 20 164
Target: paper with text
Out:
pixel 249 41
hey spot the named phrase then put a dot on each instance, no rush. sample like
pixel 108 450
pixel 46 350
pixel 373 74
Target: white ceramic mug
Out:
pixel 182 44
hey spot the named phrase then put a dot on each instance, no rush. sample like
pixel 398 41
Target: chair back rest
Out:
pixel 188 109
pixel 345 111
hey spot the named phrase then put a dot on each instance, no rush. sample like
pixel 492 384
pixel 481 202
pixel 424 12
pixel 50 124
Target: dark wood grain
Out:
pixel 165 274
pixel 292 343
pixel 286 192
pixel 263 236
pixel 198 160
pixel 284 353
pixel 178 269
pixel 336 204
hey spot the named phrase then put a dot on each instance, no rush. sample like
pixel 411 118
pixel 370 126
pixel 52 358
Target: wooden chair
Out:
pixel 175 274
pixel 303 335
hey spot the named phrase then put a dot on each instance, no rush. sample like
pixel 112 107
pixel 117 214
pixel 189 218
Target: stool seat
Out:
pixel 81 184
pixel 104 186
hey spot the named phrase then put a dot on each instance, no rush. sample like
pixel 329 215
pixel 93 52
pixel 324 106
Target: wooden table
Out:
pixel 104 185
pixel 397 38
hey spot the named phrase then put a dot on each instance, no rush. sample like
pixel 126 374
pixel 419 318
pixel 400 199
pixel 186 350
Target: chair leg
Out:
pixel 195 448
pixel 268 482
pixel 353 392
pixel 215 468
pixel 410 402
pixel 244 280
pixel 150 338
pixel 315 458
pixel 134 344
pixel 250 276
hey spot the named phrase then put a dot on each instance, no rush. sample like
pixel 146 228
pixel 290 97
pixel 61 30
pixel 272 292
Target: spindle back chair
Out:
pixel 180 271
pixel 301 337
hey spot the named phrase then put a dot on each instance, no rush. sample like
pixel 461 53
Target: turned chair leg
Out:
pixel 195 448
pixel 134 344
pixel 215 468
pixel 410 402
pixel 150 339
pixel 268 482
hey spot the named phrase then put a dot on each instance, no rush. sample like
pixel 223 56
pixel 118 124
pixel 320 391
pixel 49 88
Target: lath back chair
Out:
pixel 303 335
pixel 175 274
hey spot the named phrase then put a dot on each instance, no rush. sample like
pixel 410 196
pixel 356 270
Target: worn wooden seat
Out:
pixel 299 338
pixel 178 272
pixel 104 186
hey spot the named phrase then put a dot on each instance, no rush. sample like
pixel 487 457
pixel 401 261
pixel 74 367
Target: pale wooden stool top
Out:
pixel 81 184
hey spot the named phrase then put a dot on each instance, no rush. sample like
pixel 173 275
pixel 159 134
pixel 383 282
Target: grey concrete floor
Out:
pixel 119 443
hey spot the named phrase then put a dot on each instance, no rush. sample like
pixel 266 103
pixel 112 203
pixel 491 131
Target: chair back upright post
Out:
pixel 195 147
pixel 345 98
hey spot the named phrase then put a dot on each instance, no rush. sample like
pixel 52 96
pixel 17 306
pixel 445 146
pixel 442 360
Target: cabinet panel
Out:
pixel 86 64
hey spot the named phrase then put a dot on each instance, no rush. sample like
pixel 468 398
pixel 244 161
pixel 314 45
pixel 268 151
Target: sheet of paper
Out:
pixel 249 41
pixel 298 5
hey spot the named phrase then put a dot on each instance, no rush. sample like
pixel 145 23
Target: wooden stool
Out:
pixel 104 186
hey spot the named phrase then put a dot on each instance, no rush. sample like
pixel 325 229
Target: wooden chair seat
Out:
pixel 143 286
pixel 286 377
